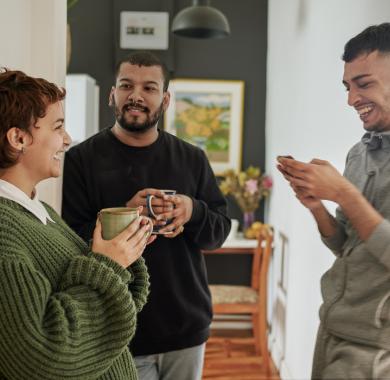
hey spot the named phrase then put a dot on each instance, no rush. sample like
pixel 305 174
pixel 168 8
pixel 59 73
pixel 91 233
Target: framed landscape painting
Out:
pixel 208 114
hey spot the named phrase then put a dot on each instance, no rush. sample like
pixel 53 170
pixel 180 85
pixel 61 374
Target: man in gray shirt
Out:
pixel 353 341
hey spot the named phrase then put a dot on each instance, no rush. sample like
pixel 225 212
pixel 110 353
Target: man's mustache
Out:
pixel 135 105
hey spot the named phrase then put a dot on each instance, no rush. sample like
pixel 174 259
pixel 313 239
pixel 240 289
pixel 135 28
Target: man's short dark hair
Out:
pixel 145 58
pixel 375 37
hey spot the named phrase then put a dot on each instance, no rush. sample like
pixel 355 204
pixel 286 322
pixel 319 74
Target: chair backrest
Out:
pixel 261 260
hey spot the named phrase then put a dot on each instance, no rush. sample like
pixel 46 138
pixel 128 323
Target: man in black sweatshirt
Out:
pixel 120 166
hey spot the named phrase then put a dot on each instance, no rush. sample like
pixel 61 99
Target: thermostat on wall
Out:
pixel 144 30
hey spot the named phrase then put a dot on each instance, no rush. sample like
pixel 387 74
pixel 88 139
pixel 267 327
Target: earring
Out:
pixel 23 150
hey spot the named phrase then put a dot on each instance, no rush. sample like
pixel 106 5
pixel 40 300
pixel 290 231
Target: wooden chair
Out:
pixel 232 300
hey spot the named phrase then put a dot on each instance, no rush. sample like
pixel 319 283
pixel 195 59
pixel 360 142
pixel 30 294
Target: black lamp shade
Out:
pixel 200 21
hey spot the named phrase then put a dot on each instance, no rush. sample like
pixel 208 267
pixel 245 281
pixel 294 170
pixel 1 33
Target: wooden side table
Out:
pixel 237 245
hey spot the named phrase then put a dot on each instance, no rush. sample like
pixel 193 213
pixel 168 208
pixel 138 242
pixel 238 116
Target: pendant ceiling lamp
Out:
pixel 200 21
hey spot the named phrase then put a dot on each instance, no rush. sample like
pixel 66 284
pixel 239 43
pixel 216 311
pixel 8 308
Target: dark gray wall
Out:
pixel 242 56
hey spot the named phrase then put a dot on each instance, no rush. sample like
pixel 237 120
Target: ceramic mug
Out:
pixel 114 220
pixel 152 214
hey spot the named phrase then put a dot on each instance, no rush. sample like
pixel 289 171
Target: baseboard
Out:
pixel 279 361
pixel 284 372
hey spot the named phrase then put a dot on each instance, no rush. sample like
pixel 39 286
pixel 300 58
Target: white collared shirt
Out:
pixel 34 205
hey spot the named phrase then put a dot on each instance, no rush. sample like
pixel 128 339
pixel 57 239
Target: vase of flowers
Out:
pixel 248 219
pixel 248 188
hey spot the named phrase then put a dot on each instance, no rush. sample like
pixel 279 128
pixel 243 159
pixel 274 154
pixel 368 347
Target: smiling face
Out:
pixel 367 80
pixel 46 145
pixel 138 97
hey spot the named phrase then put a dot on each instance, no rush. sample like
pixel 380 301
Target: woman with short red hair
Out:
pixel 65 309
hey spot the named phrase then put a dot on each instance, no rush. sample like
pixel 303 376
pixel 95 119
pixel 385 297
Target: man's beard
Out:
pixel 134 126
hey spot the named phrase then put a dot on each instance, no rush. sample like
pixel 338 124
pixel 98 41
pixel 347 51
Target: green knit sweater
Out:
pixel 65 312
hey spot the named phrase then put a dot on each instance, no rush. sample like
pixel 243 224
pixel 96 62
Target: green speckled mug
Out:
pixel 116 219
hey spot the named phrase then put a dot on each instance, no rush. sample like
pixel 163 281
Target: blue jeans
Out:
pixel 186 364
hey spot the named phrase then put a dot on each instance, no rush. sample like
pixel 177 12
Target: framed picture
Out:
pixel 208 114
pixel 144 30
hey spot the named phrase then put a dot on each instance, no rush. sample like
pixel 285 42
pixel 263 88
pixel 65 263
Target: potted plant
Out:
pixel 70 4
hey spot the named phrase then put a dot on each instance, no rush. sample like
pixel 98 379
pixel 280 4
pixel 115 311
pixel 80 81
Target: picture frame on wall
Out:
pixel 144 30
pixel 209 114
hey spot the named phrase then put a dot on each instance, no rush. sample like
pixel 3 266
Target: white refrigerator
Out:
pixel 81 107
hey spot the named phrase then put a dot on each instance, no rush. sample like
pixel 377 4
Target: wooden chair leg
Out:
pixel 228 347
pixel 261 339
pixel 256 333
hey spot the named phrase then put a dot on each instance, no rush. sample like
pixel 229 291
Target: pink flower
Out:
pixel 267 182
pixel 251 186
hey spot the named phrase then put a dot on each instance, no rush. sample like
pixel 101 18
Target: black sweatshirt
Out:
pixel 103 172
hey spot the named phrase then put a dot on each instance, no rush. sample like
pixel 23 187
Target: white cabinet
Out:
pixel 81 107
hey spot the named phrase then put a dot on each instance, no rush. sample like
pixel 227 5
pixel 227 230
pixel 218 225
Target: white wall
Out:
pixel 33 39
pixel 307 117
